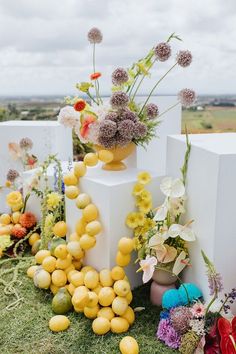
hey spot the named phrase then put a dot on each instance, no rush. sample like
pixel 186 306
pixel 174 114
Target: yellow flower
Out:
pixel 144 177
pixel 8 184
pixel 145 206
pixel 14 200
pixel 140 218
pixel 53 200
pixel 48 224
pixel 138 188
pixel 132 220
pixel 146 195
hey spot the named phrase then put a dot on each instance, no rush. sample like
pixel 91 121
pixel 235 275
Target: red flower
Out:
pixel 212 345
pixel 227 332
pixel 95 76
pixel 28 220
pixel 18 231
pixel 80 105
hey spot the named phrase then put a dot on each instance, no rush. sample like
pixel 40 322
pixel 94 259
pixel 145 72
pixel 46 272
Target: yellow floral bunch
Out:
pixel 15 201
pixel 53 200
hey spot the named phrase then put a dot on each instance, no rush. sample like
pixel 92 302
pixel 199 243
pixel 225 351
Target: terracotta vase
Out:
pixel 119 153
pixel 157 291
pixel 163 278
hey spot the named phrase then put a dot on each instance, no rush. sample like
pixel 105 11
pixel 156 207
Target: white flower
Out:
pixel 162 211
pixel 176 206
pixel 156 240
pixel 148 266
pixel 183 232
pixel 173 188
pixel 198 326
pixel 180 263
pixel 101 111
pixel 69 117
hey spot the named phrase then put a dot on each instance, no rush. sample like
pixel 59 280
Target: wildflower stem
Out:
pixel 184 168
pixel 168 109
pixel 94 70
pixel 142 78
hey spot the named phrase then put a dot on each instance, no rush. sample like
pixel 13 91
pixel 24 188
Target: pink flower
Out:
pixel 198 310
pixel 148 266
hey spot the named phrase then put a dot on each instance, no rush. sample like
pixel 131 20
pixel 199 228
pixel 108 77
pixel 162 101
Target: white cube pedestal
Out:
pixel 211 195
pixel 111 192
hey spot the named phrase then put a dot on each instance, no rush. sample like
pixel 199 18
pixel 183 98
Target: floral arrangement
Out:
pixel 22 151
pixel 122 120
pixel 198 327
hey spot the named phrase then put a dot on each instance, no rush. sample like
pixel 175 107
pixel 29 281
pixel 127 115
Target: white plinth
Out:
pixel 112 193
pixel 211 201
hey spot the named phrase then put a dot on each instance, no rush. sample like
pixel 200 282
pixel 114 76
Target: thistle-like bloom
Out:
pixel 198 310
pixel 126 128
pixel 187 97
pixel 152 110
pixel 107 129
pixel 162 51
pixel 108 143
pixel 184 58
pixel 127 114
pixel 119 100
pixel 95 35
pixel 12 175
pixel 113 116
pixel 26 144
pixel 140 130
pixel 122 140
pixel 119 76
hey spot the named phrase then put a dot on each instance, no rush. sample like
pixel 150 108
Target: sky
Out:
pixel 44 48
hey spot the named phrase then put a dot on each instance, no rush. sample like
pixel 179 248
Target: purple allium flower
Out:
pixel 119 99
pixel 172 339
pixel 12 175
pixel 26 143
pixel 126 128
pixel 119 76
pixel 163 329
pixel 107 129
pixel 95 35
pixel 113 116
pixel 180 318
pixel 162 51
pixel 187 97
pixel 152 110
pixel 184 58
pixel 214 283
pixel 122 140
pixel 108 143
pixel 127 114
pixel 140 130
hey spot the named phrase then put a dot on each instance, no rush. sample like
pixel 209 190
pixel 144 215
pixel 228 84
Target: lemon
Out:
pixel 60 229
pixel 119 305
pixel 121 287
pixel 70 273
pixel 80 227
pixel 59 278
pixel 80 297
pixel 80 169
pixel 91 159
pixel 106 312
pixel 101 326
pixel 59 323
pixel 105 277
pixel 79 309
pixel 61 251
pixel 56 241
pixel 72 192
pixel 122 260
pixel 90 213
pixel 106 296
pixel 49 264
pixel 15 217
pixel 70 288
pixel 70 179
pixel 126 245
pixel 91 279
pixel 86 269
pixel 61 303
pixel 54 289
pixel 129 315
pixel 129 297
pixel 33 238
pixel 31 270
pixel 64 263
pixel 105 156
pixel 69 269
pixel 40 255
pixel 119 325
pixel 117 273
pixel 91 312
pixel 36 246
pixel 77 279
pixel 82 200
pixel 5 219
pixel 97 289
pixel 128 345
pixel 74 237
pixel 77 264
pixel 87 242
pixel 42 279
pixel 93 299
pixel 74 249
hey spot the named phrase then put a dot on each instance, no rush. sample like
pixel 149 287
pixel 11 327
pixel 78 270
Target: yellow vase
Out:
pixel 119 153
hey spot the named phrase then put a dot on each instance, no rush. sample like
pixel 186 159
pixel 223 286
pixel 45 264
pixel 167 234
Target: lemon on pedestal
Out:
pixel 72 192
pixel 74 249
pixel 121 287
pixel 105 277
pixel 80 227
pixel 70 179
pixel 126 245
pixel 93 228
pixel 122 260
pixel 82 200
pixel 90 213
pixel 60 229
pixel 105 156
pixel 87 242
pixel 117 273
pixel 80 169
pixel 59 278
pixel 91 159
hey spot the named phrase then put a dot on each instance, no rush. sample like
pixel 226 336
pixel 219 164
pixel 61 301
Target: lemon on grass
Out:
pixel 33 238
pixel 119 305
pixel 71 288
pixel 129 297
pixel 93 299
pixel 77 279
pixel 121 287
pixel 72 192
pixel 119 325
pixel 80 297
pixel 59 323
pixel 105 156
pixel 77 264
pixel 59 278
pixel 87 242
pixel 105 277
pixel 61 302
pixel 74 236
pixel 93 228
pixel 128 345
pixel 70 179
pixel 101 326
pixel 117 273
pixel 122 260
pixel 106 296
pixel 91 159
pixel 69 269
pixel 60 229
pixel 31 270
pixel 54 289
pixel 126 245
pixel 73 247
pixel 82 200
pixel 42 279
pixel 80 169
pixel 106 312
pixel 40 255
pixel 91 312
pixel 90 213
pixel 70 273
pixel 91 279
pixel 129 315
pixel 49 264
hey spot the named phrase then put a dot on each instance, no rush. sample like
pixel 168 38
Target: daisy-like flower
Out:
pixel 187 97
pixel 95 35
pixel 138 189
pixel 145 195
pixel 119 76
pixel 148 266
pixel 140 219
pixel 145 206
pixel 132 221
pixel 184 58
pixel 162 51
pixel 198 310
pixel 144 177
pixel 53 200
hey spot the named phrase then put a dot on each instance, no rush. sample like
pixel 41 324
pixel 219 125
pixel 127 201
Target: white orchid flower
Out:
pixel 161 211
pixel 172 188
pixel 183 231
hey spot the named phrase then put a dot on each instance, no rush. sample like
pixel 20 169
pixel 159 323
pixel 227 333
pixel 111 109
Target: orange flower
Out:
pixel 85 125
pixel 80 105
pixel 95 76
pixel 18 231
pixel 27 220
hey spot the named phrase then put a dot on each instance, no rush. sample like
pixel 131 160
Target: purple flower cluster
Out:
pixel 228 300
pixel 119 100
pixel 26 144
pixel 162 51
pixel 151 110
pixel 12 175
pixel 167 334
pixel 187 97
pixel 184 58
pixel 119 76
pixel 215 283
pixel 95 35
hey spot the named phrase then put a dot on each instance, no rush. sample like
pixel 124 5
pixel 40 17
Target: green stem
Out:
pixel 91 97
pixel 140 82
pixel 210 303
pixel 96 82
pixel 184 169
pixel 25 202
pixel 131 87
pixel 168 109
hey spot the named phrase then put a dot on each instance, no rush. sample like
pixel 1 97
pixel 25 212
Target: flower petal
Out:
pixel 177 188
pixel 175 230
pixel 187 234
pixel 161 212
pixel 179 265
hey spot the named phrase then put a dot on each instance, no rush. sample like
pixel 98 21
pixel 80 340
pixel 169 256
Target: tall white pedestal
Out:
pixel 211 191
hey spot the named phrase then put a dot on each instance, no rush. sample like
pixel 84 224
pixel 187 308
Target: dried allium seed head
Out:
pixel 162 51
pixel 187 97
pixel 95 35
pixel 180 318
pixel 12 175
pixel 107 129
pixel 152 110
pixel 119 76
pixel 119 100
pixel 184 58
pixel 126 128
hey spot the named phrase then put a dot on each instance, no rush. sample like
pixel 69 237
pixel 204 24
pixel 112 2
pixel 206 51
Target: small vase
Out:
pixel 163 278
pixel 157 291
pixel 119 153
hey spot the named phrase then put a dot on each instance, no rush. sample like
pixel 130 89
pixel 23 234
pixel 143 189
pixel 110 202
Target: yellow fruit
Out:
pixel 74 237
pixel 93 228
pixel 128 345
pixel 91 159
pixel 91 279
pixel 121 287
pixel 105 156
pixel 80 297
pixel 61 302
pixel 77 264
pixel 119 325
pixel 106 312
pixel 42 279
pixel 93 299
pixel 5 219
pixel 74 249
pixel 70 179
pixel 87 242
pixel 60 229
pixel 126 245
pixel 129 315
pixel 31 271
pixel 59 278
pixel 106 296
pixel 82 200
pixel 77 279
pixel 119 305
pixel 97 289
pixel 40 255
pixel 117 273
pixel 122 260
pixel 90 212
pixel 49 264
pixel 79 309
pixel 33 238
pixel 80 169
pixel 15 217
pixel 129 297
pixel 36 246
pixel 80 227
pixel 101 326
pixel 86 269
pixel 70 273
pixel 105 277
pixel 54 289
pixel 64 263
pixel 59 323
pixel 72 192
pixel 61 251
pixel 91 312
pixel 69 269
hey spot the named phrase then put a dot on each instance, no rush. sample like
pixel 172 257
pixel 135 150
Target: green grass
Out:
pixel 24 330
